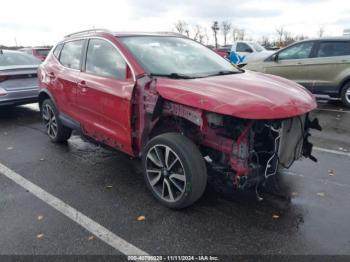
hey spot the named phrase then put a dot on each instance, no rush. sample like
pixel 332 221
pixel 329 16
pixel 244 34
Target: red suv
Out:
pixel 186 111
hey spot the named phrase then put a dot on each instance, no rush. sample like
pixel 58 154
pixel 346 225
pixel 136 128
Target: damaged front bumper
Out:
pixel 256 149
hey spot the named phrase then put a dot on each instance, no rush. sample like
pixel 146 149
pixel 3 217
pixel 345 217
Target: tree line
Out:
pixel 229 31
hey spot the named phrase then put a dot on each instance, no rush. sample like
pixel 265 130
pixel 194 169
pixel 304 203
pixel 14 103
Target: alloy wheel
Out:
pixel 165 173
pixel 50 121
pixel 347 95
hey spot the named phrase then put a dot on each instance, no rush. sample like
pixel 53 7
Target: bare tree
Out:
pixel 198 33
pixel 203 37
pixel 181 27
pixel 320 31
pixel 265 41
pixel 215 27
pixel 280 33
pixel 238 33
pixel 241 34
pixel 287 38
pixel 225 28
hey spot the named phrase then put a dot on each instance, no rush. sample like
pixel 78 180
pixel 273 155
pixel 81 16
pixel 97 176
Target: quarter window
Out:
pixel 333 48
pixel 57 50
pixel 71 54
pixel 103 59
pixel 298 51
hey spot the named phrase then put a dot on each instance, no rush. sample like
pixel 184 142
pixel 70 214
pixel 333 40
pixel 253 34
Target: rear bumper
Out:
pixel 20 97
pixel 18 102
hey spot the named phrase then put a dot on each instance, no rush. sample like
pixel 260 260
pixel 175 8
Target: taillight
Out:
pixel 3 78
pixel 3 92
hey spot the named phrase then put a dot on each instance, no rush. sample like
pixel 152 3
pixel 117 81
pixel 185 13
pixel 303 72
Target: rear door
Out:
pixel 291 62
pixel 331 60
pixel 104 95
pixel 64 77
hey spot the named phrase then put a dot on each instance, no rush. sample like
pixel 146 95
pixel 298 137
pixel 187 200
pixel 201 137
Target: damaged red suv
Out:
pixel 186 111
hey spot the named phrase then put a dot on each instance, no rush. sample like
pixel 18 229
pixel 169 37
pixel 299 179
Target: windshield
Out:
pixel 175 56
pixel 17 58
pixel 257 47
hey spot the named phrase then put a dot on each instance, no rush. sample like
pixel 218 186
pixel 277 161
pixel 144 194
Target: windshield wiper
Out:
pixel 226 72
pixel 174 75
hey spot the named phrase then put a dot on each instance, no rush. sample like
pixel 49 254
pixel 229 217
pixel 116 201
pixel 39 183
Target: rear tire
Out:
pixel 174 170
pixel 345 95
pixel 56 131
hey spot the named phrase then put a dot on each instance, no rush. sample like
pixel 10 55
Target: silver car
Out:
pixel 18 78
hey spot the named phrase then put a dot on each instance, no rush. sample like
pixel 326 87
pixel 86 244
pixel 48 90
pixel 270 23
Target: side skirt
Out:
pixel 69 122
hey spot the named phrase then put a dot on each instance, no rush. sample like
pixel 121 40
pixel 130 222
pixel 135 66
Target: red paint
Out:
pixel 224 54
pixel 246 95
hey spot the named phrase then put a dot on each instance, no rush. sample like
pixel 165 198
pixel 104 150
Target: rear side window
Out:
pixel 17 59
pixel 333 48
pixel 71 54
pixel 103 59
pixel 57 50
pixel 243 47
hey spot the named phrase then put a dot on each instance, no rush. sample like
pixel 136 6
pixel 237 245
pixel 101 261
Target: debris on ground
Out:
pixel 109 187
pixel 41 159
pixel 39 236
pixel 331 172
pixel 294 194
pixel 10 148
pixel 91 238
pixel 275 216
pixel 40 217
pixel 141 218
pixel 321 194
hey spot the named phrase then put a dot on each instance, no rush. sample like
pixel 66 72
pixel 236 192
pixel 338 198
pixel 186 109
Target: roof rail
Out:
pixel 170 33
pixel 89 31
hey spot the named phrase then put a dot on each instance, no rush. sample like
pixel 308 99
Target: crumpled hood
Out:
pixel 245 95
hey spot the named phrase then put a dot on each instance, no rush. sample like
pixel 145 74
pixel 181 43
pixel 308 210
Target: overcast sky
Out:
pixel 40 22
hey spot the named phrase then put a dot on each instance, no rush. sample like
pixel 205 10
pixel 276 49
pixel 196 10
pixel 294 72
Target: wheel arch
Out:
pixel 45 94
pixel 345 81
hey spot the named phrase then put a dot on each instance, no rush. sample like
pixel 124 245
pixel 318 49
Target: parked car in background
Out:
pixel 39 52
pixel 186 111
pixel 223 51
pixel 321 65
pixel 18 78
pixel 243 52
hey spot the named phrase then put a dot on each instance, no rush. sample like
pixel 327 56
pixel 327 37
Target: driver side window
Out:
pixel 104 60
pixel 298 51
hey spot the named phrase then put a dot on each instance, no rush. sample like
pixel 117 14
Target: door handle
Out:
pixel 82 84
pixel 299 63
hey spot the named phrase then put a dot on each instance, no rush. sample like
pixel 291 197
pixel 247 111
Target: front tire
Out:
pixel 174 170
pixel 345 95
pixel 56 131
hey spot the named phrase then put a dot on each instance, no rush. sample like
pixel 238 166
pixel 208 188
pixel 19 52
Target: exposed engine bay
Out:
pixel 257 148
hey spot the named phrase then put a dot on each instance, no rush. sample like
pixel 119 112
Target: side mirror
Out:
pixel 275 57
